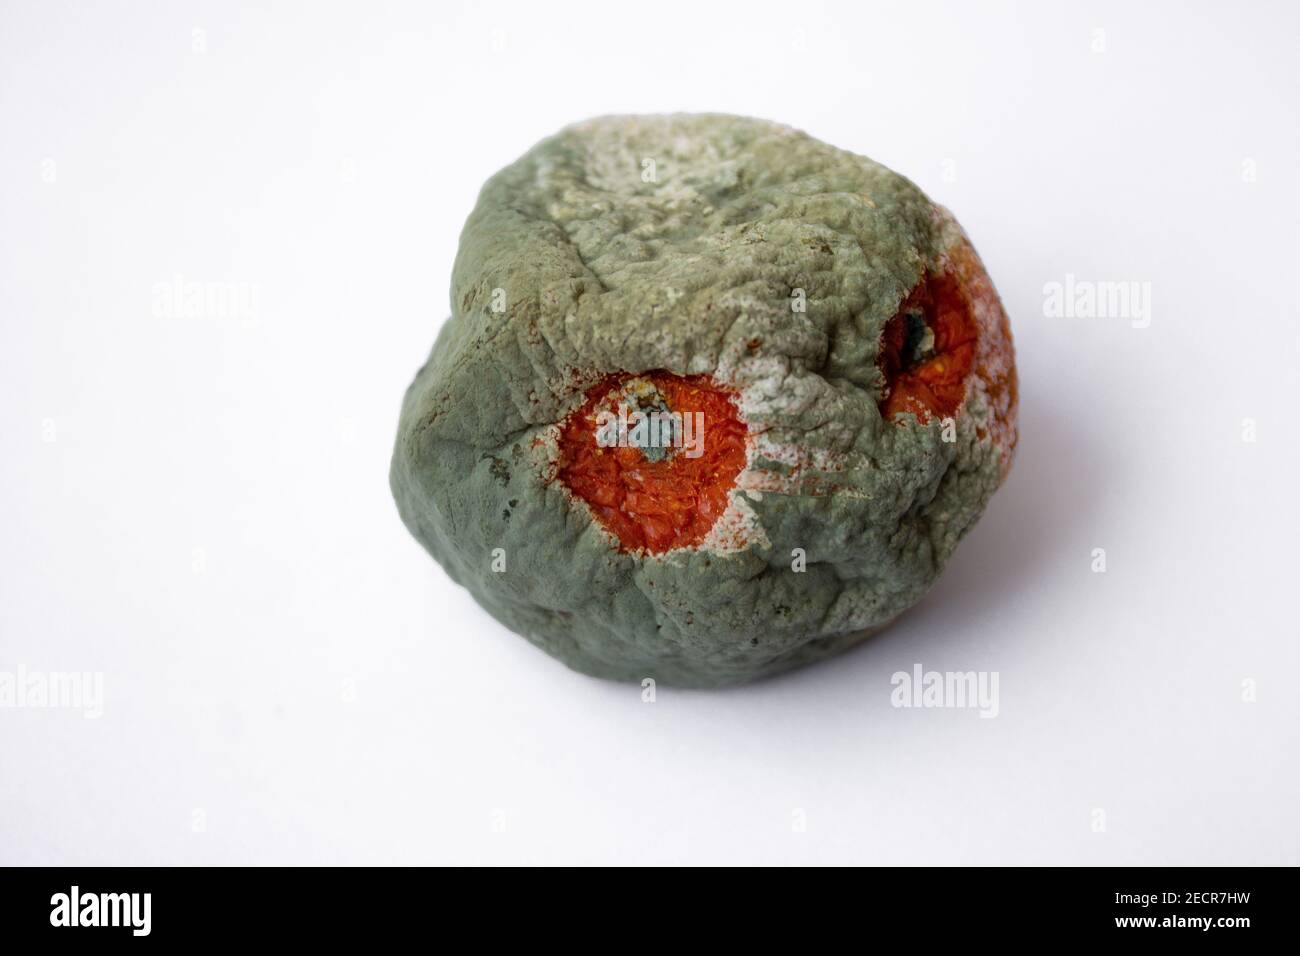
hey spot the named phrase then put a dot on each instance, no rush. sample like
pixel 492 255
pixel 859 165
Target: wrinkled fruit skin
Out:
pixel 836 327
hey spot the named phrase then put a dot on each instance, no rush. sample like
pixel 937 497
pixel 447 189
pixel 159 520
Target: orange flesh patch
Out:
pixel 655 505
pixel 928 350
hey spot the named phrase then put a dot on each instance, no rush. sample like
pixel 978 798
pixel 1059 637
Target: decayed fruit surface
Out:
pixel 715 399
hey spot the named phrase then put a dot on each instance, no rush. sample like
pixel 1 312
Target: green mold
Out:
pixel 737 252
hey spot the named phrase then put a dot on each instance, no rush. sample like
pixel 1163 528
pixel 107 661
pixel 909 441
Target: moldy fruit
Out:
pixel 715 399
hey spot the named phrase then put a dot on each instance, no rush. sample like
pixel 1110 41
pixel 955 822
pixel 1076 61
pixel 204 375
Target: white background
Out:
pixel 198 507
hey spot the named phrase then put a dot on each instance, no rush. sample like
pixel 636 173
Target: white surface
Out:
pixel 211 526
